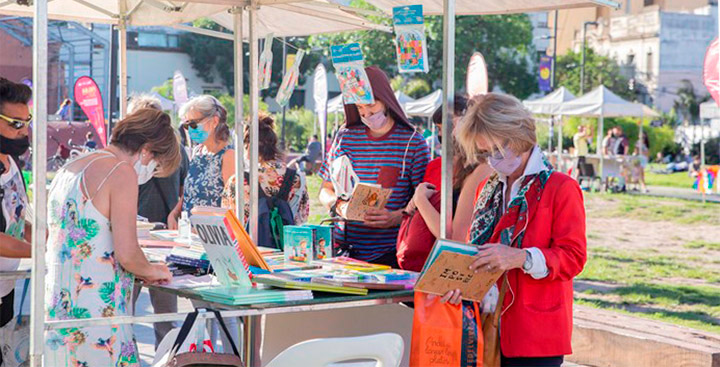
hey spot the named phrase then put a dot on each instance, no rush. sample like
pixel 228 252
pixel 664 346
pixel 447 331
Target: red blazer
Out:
pixel 538 318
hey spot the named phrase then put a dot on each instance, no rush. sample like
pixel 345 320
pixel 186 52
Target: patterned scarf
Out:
pixel 489 208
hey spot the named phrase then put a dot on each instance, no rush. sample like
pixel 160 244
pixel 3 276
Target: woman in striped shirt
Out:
pixel 383 148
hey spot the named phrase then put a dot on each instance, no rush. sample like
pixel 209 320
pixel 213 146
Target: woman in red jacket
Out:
pixel 529 221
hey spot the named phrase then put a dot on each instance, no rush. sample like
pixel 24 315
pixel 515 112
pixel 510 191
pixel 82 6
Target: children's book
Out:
pixel 281 282
pixel 364 284
pixel 450 270
pixel 366 196
pixel 248 248
pixel 451 246
pixel 298 242
pixel 352 264
pixel 245 296
pixel 323 245
pixel 222 249
pixel 278 264
pixel 350 71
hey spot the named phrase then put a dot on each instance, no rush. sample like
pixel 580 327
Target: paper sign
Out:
pixel 266 59
pixel 410 40
pixel 451 271
pixel 180 93
pixel 88 97
pixel 290 80
pixel 350 70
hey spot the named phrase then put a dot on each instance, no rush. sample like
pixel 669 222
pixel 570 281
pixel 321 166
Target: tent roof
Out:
pixel 709 110
pixel 141 12
pixel 477 7
pixel 603 102
pixel 335 104
pixel 425 106
pixel 308 16
pixel 551 103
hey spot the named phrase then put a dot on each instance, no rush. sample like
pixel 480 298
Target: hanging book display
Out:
pixel 350 71
pixel 266 60
pixel 290 80
pixel 410 39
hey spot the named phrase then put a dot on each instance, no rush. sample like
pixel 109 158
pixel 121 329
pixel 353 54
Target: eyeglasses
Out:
pixel 17 123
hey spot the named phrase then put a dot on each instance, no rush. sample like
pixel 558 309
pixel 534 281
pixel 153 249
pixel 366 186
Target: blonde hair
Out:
pixel 144 101
pixel 151 129
pixel 502 120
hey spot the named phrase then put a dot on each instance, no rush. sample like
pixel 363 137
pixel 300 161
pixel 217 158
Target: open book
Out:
pixel 365 197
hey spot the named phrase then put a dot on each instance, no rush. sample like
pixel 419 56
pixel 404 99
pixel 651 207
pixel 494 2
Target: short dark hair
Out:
pixel 316 137
pixel 11 92
pixel 459 108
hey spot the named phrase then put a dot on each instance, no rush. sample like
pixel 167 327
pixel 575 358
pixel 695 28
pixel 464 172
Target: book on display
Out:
pixel 298 243
pixel 227 260
pixel 249 295
pixel 365 197
pixel 281 282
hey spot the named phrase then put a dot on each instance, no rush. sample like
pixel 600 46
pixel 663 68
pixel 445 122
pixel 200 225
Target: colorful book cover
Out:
pixel 352 264
pixel 350 71
pixel 245 296
pixel 298 243
pixel 221 247
pixel 410 39
pixel 280 282
pixel 278 264
pixel 447 245
pixel 365 197
pixel 323 246
pixel 245 244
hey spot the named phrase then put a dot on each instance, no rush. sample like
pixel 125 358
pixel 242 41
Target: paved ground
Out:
pixel 678 193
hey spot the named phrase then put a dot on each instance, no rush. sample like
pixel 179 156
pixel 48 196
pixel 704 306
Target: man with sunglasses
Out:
pixel 14 229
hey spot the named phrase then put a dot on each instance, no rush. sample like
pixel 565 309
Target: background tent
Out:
pixel 550 105
pixel 425 106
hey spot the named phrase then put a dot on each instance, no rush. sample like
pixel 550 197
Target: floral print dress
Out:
pixel 84 280
pixel 204 183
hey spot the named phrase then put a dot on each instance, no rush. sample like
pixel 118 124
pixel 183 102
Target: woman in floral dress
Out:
pixel 91 267
pixel 271 173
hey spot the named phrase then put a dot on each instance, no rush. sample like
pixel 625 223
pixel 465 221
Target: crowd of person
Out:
pixel 525 218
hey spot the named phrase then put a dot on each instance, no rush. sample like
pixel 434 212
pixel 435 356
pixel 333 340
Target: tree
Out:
pixel 688 102
pixel 504 41
pixel 599 70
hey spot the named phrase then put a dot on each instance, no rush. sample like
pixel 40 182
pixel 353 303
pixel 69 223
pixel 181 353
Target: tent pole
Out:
pixel 122 36
pixel 39 146
pixel 254 97
pixel 239 118
pixel 560 142
pixel 702 159
pixel 601 128
pixel 448 103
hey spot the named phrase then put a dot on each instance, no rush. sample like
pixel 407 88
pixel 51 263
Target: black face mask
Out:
pixel 14 147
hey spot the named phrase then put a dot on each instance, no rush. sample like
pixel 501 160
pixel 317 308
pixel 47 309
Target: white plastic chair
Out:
pixel 386 350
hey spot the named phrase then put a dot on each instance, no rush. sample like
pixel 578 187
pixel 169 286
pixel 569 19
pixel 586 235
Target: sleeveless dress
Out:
pixel 84 280
pixel 204 183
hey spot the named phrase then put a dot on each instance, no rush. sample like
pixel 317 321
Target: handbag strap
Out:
pixel 184 331
pixel 226 331
pixel 501 299
pixel 22 300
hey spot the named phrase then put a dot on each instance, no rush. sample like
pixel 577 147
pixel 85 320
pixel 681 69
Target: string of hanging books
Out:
pixel 348 60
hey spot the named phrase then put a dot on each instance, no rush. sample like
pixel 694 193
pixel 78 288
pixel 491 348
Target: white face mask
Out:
pixel 145 172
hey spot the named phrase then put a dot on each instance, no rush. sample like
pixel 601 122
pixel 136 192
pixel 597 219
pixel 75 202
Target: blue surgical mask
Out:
pixel 198 135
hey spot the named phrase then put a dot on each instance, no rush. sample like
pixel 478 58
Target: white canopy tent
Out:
pixel 709 110
pixel 425 106
pixel 601 103
pixel 475 7
pixel 550 105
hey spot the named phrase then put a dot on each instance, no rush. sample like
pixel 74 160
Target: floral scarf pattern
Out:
pixel 489 207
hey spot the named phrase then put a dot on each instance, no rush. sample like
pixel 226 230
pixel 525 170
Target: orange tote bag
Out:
pixel 445 335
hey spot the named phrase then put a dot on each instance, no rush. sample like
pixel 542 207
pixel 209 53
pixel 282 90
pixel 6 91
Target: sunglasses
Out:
pixel 192 124
pixel 16 123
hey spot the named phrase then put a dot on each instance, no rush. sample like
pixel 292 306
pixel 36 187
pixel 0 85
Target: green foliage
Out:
pixel 502 39
pixel 210 56
pixel 299 126
pixel 661 138
pixel 417 88
pixel 599 70
pixel 712 150
pixel 165 90
pixel 228 102
pixel 688 102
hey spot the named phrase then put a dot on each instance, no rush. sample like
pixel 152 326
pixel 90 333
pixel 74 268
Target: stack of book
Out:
pixel 250 295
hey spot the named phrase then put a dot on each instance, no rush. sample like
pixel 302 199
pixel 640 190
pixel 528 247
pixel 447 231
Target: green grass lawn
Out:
pixel 679 179
pixel 653 209
pixel 317 211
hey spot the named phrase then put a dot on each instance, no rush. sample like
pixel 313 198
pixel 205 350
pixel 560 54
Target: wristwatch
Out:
pixel 527 265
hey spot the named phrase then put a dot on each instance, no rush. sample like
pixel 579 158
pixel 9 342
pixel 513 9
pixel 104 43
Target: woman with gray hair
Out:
pixel 212 161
